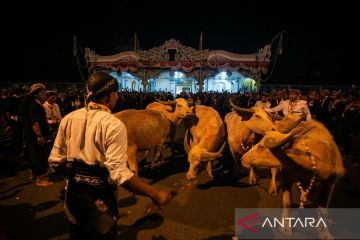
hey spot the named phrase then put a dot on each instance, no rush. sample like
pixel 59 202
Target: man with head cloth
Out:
pixel 95 143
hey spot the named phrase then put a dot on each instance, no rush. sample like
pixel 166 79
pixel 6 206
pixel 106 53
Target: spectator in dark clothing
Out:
pixel 313 104
pixel 277 99
pixel 38 135
pixel 60 101
pixel 15 119
pixel 323 112
pixel 252 101
pixel 356 132
pixel 242 100
pixel 68 103
pixel 24 109
pixel 350 126
pixel 336 107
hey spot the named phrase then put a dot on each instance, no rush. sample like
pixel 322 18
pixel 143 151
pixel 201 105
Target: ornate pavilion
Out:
pixel 175 68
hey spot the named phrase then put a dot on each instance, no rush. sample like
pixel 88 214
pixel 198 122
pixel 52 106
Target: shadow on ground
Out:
pixel 148 222
pixel 23 214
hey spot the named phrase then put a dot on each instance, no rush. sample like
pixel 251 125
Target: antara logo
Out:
pixel 253 219
pixel 294 222
pixel 281 222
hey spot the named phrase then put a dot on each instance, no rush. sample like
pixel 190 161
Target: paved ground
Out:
pixel 203 212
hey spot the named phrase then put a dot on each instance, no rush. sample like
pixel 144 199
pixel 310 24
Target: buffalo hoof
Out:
pixel 272 190
pixel 252 180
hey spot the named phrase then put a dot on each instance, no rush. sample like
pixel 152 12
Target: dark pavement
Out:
pixel 205 211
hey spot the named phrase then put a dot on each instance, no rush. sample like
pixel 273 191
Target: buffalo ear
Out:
pixel 169 108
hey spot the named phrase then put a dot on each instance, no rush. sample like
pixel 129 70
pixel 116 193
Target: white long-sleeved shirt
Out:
pixel 299 107
pixel 93 136
pixel 53 114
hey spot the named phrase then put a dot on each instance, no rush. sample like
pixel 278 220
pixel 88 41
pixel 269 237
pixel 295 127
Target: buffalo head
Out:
pixel 260 120
pixel 180 106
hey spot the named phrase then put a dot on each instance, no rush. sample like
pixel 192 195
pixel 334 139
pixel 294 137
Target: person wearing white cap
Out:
pixel 292 106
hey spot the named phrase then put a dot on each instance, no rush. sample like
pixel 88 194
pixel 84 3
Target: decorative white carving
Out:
pixel 264 53
pixel 220 55
pixel 183 53
pixel 90 55
pixel 188 59
pixel 128 56
pixel 128 59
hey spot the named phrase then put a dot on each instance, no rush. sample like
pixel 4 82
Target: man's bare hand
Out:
pixel 162 198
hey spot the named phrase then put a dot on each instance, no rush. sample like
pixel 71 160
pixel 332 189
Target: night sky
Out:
pixel 320 42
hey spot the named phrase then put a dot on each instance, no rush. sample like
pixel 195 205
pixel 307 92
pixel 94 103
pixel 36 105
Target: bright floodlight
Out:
pixel 178 74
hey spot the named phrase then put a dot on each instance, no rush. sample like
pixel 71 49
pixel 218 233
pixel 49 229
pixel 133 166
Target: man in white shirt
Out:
pixel 292 106
pixel 52 110
pixel 95 143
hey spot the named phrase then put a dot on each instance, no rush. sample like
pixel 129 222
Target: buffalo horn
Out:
pixel 186 142
pixel 166 103
pixel 272 143
pixel 275 116
pixel 239 109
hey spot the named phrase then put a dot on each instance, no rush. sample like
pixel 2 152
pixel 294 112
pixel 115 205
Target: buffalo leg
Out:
pixel 286 201
pixel 131 152
pixel 209 169
pixel 324 198
pixel 236 166
pixel 252 177
pixel 157 155
pixel 150 155
pixel 272 187
pixel 172 142
pixel 286 187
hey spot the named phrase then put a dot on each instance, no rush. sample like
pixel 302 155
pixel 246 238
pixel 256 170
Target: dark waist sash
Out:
pixel 91 197
pixel 91 175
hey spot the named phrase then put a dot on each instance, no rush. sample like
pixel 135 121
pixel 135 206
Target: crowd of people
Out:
pixel 337 110
pixel 49 129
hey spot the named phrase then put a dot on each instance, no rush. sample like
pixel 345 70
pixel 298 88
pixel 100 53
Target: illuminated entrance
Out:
pixel 178 82
pixel 175 83
pixel 229 81
pixel 128 81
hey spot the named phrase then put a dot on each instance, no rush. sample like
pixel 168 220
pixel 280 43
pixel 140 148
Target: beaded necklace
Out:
pixel 93 105
pixel 304 193
pixel 291 106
